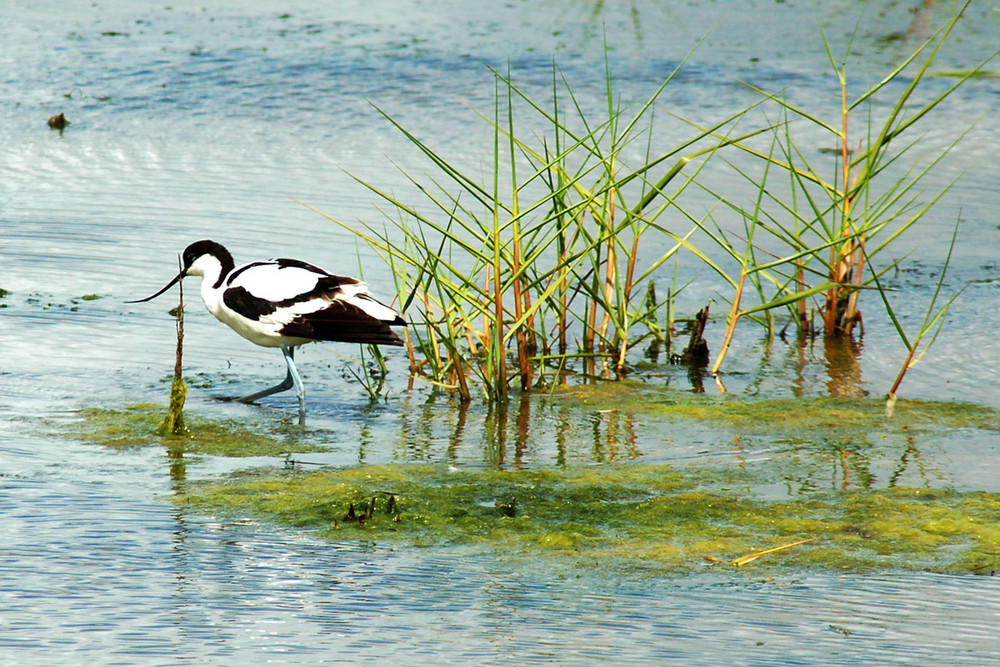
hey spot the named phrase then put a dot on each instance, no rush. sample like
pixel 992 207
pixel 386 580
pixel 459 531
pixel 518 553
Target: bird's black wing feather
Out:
pixel 343 322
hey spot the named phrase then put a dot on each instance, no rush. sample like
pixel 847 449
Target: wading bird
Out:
pixel 285 303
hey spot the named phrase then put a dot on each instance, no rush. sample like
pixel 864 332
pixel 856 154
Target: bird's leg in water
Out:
pixel 286 384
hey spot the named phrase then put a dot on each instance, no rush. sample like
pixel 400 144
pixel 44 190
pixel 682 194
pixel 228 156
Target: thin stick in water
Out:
pixel 173 423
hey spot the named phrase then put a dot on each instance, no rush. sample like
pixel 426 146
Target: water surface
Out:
pixel 214 121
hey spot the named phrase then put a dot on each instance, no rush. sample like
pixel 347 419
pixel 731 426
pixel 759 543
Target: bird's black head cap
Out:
pixel 207 247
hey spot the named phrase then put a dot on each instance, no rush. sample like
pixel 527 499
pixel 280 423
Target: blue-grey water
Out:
pixel 218 120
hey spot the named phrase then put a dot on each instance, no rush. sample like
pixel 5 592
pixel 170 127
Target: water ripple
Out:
pixel 189 122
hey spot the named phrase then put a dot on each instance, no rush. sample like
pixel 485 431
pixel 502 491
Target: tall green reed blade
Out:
pixel 931 326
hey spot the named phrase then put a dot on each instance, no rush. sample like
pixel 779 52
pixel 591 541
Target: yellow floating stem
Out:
pixel 740 562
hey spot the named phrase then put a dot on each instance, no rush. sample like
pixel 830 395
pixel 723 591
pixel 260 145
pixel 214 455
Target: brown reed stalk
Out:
pixel 734 315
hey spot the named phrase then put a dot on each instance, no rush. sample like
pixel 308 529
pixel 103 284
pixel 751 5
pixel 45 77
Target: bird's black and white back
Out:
pixel 287 302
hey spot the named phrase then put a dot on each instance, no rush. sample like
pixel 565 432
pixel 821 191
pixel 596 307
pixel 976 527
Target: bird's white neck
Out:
pixel 212 271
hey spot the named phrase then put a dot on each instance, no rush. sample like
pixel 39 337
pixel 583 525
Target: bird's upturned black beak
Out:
pixel 176 279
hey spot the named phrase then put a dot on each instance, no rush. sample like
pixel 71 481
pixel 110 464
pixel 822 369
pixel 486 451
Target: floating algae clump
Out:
pixel 645 517
pixel 780 415
pixel 141 425
pixel 173 423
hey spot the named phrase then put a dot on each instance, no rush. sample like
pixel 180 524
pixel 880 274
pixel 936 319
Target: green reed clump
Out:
pixel 822 232
pixel 536 272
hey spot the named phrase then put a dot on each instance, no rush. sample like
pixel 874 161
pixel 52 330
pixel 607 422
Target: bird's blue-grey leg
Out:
pixel 289 381
pixel 300 389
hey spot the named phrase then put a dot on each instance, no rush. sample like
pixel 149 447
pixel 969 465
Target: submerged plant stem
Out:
pixel 173 423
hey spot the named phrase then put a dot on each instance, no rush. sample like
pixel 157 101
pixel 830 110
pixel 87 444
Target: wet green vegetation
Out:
pixel 140 426
pixel 783 417
pixel 173 423
pixel 204 380
pixel 50 302
pixel 634 516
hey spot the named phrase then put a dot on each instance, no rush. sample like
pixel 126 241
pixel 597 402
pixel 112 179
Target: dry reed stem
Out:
pixel 432 331
pixel 626 300
pixel 498 369
pixel 611 260
pixel 410 352
pixel 734 315
pixel 523 360
pixel 740 562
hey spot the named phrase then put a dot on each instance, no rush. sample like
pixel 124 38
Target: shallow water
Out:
pixel 193 121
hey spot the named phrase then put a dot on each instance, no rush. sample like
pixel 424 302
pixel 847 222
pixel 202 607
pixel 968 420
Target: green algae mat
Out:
pixel 634 515
pixel 140 426
pixel 650 517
